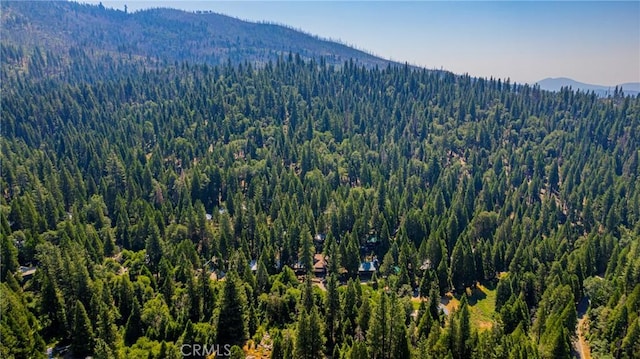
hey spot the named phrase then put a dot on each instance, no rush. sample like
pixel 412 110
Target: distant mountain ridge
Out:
pixel 555 84
pixel 163 34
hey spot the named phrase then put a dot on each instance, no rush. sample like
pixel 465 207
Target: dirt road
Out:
pixel 580 345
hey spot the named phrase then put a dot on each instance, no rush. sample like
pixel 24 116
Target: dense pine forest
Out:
pixel 299 209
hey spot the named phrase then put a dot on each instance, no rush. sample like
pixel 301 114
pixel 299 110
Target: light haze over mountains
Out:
pixel 199 36
pixel 596 42
pixel 555 84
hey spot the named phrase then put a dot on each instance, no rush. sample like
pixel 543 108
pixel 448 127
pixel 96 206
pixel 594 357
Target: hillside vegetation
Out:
pixel 160 36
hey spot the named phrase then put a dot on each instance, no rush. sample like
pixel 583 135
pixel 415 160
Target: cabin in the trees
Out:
pixel 299 269
pixel 27 272
pixel 318 241
pixel 371 244
pixel 319 265
pixel 426 265
pixel 367 268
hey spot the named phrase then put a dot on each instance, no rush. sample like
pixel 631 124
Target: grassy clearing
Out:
pixel 415 302
pixel 482 303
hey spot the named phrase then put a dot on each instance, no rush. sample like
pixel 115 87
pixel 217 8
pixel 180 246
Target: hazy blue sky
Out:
pixel 589 41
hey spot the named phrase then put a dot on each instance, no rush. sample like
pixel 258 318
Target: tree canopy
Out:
pixel 179 204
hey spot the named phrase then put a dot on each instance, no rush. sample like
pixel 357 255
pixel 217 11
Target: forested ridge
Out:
pixel 187 203
pixel 160 35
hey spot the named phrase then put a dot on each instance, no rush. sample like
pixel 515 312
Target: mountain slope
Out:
pixel 555 84
pixel 164 34
pixel 106 188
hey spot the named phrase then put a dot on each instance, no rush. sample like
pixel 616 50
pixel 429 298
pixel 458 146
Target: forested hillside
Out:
pixel 191 204
pixel 159 36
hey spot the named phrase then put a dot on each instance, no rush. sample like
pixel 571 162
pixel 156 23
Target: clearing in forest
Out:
pixel 482 305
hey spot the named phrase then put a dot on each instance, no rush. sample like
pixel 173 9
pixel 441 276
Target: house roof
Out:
pixel 27 272
pixel 426 265
pixel 319 262
pixel 367 267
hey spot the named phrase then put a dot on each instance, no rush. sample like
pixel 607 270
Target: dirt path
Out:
pixel 584 352
pixel 580 345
